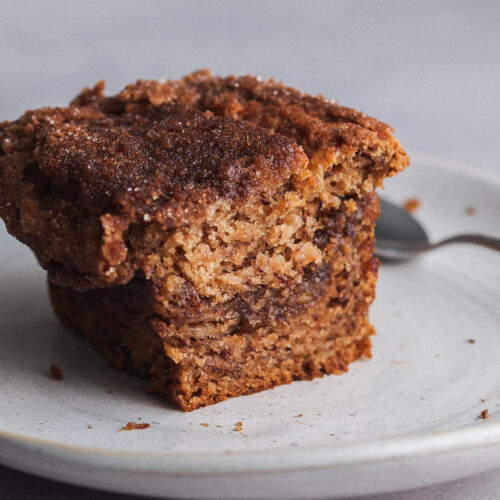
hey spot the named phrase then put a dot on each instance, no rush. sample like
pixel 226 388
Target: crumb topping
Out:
pixel 155 160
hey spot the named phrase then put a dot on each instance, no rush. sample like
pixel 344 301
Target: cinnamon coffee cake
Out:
pixel 216 234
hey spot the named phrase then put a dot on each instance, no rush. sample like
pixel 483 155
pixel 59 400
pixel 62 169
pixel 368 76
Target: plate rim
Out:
pixel 482 434
pixel 264 461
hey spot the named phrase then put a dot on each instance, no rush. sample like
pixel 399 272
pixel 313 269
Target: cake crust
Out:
pixel 160 161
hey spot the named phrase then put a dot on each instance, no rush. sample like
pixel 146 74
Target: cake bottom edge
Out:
pixel 322 340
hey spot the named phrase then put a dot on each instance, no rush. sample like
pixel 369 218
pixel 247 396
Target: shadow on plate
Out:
pixel 32 339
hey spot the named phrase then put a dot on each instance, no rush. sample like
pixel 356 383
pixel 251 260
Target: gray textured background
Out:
pixel 429 68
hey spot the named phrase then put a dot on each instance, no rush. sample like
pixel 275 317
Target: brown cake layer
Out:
pixel 68 173
pixel 94 189
pixel 251 343
pixel 342 238
pixel 196 370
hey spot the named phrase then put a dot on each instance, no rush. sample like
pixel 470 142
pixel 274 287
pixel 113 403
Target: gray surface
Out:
pixel 25 487
pixel 430 69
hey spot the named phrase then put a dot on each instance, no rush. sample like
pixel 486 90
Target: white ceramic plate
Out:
pixel 406 418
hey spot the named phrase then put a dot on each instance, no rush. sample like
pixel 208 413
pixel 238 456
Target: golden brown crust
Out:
pixel 237 96
pixel 314 122
pixel 158 161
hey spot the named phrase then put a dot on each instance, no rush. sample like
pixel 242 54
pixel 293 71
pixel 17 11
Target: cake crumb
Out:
pixel 471 341
pixel 470 210
pixel 7 146
pixel 55 372
pixel 238 427
pixel 411 205
pixel 484 415
pixel 482 400
pixel 204 424
pixel 132 426
pixel 299 415
pixel 89 426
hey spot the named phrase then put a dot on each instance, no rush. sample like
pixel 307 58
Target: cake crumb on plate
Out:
pixel 411 205
pixel 484 415
pixel 132 426
pixel 55 372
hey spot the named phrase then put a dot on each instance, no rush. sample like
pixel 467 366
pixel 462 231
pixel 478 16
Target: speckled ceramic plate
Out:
pixel 406 418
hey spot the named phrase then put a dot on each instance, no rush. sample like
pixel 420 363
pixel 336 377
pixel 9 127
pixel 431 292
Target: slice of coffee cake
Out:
pixel 214 233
